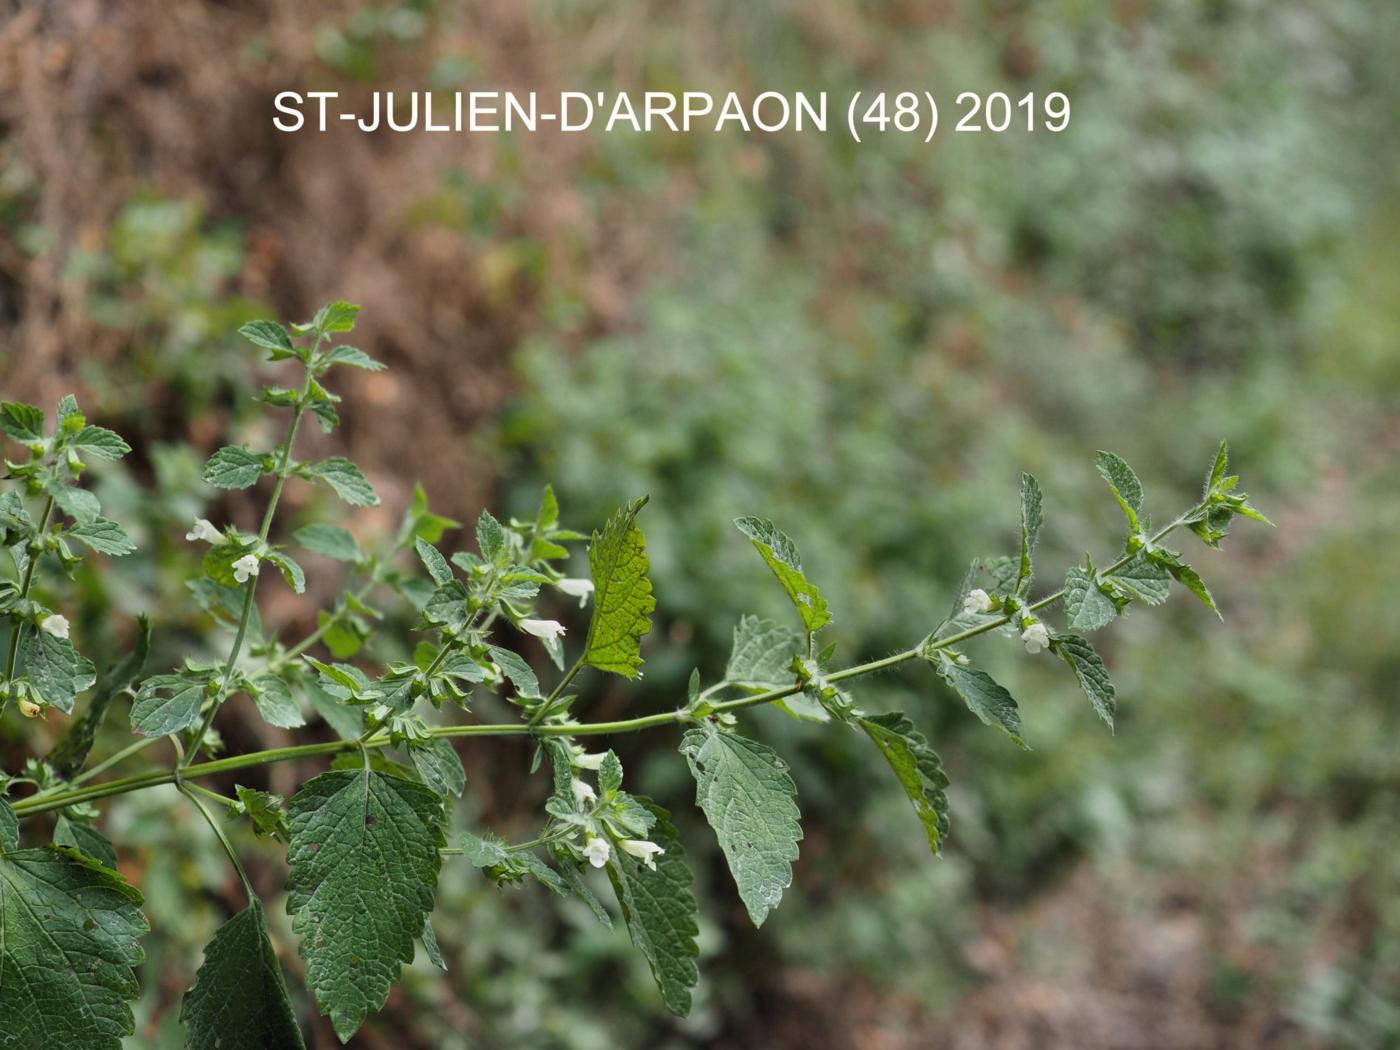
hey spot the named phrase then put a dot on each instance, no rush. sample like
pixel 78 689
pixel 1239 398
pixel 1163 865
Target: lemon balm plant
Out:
pixel 366 839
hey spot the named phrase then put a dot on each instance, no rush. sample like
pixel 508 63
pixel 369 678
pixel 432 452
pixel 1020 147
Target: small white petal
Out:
pixel 576 588
pixel 55 625
pixel 546 629
pixel 644 851
pixel 977 601
pixel 244 567
pixel 1036 637
pixel 597 851
pixel 583 792
pixel 204 530
pixel 583 760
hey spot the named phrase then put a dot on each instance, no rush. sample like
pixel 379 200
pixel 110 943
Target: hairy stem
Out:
pixel 24 587
pixel 140 781
pixel 545 708
pixel 250 588
pixel 188 790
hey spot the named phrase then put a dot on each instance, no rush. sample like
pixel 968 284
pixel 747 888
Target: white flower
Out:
pixel 546 629
pixel 644 851
pixel 204 530
pixel 583 792
pixel 978 601
pixel 597 851
pixel 583 760
pixel 1036 637
pixel 244 567
pixel 55 625
pixel 576 588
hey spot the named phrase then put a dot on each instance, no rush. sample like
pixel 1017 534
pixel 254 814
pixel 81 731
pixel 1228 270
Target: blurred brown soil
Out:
pixel 102 100
pixel 1123 961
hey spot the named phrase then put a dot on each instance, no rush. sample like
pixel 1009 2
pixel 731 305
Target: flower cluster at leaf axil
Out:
pixel 501 613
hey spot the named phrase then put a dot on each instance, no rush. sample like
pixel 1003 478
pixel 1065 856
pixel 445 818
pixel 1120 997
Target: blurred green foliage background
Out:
pixel 865 343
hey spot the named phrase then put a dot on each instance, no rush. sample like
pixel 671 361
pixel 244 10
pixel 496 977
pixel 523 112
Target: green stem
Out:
pixel 212 796
pixel 545 708
pixel 188 790
pixel 24 587
pixel 140 781
pixel 250 588
pixel 543 840
pixel 119 757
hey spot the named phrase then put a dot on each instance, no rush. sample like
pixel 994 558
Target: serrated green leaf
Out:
pixel 430 946
pixel 69 933
pixel 9 828
pixel 70 417
pixel 79 504
pixel 542 873
pixel 1090 670
pixel 363 870
pixel 918 768
pixel 353 356
pixel 418 521
pixel 347 481
pixel 100 442
pixel 781 556
pixel 1124 484
pixel 484 851
pixel 270 336
pixel 448 606
pixel 745 791
pixel 24 423
pixel 338 316
pixel 290 570
pixel 72 749
pixel 548 516
pixel 660 909
pixel 166 704
pixel 1143 579
pixel 574 878
pixel 348 722
pixel 274 702
pixel 1187 577
pixel 86 839
pixel 610 774
pixel 440 767
pixel 234 467
pixel 239 999
pixel 762 654
pixel 622 598
pixel 267 812
pixel 330 541
pixel 490 536
pixel 341 676
pixel 513 666
pixel 55 668
pixel 103 536
pixel 434 562
pixel 326 415
pixel 983 696
pixel 1219 467
pixel 1031 518
pixel 1086 606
